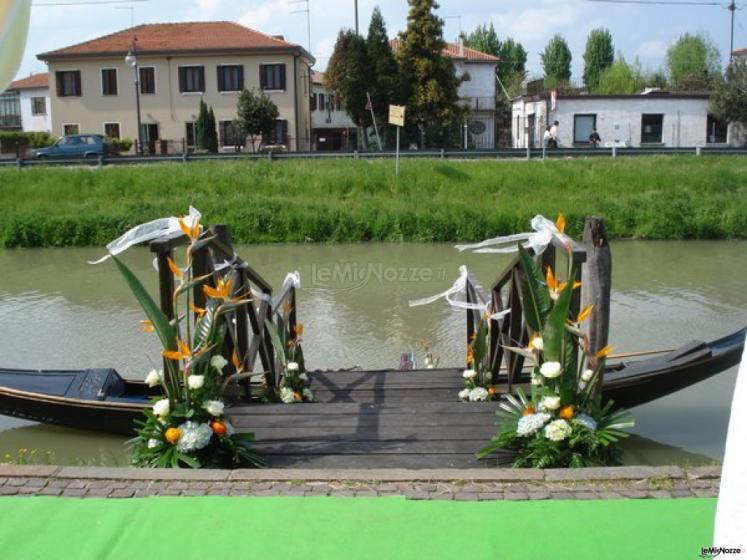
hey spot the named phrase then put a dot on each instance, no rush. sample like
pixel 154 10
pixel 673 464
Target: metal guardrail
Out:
pixel 506 153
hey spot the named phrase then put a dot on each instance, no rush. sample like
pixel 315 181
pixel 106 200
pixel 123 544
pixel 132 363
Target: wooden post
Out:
pixel 597 285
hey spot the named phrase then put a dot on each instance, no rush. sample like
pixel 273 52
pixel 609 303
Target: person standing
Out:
pixel 546 137
pixel 554 134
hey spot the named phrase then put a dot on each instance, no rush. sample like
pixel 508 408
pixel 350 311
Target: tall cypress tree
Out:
pixel 349 75
pixel 385 81
pixel 432 82
pixel 598 56
pixel 556 62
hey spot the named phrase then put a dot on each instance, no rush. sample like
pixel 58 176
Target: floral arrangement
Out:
pixel 294 386
pixel 478 377
pixel 186 426
pixel 563 423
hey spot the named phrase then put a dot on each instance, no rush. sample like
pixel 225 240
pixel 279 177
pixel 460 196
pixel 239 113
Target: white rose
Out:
pixel 214 408
pixel 292 366
pixel 464 394
pixel 469 374
pixel 587 375
pixel 218 362
pixel 153 378
pixel 551 369
pixel 550 403
pixel 196 381
pixel 161 408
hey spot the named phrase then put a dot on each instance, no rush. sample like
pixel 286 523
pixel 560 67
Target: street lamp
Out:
pixel 131 60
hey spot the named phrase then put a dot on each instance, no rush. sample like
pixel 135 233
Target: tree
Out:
pixel 729 99
pixel 206 135
pixel 693 62
pixel 618 79
pixel 256 114
pixel 513 60
pixel 483 39
pixel 349 76
pixel 556 62
pixel 384 85
pixel 433 84
pixel 598 56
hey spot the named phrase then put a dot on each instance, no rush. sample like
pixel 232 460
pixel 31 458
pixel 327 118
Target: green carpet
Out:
pixel 351 528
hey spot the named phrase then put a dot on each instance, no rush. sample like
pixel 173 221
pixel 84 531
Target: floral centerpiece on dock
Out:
pixel 186 426
pixel 563 423
pixel 294 385
pixel 478 377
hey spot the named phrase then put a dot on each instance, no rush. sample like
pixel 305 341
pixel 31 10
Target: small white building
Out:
pixel 332 128
pixel 653 118
pixel 33 99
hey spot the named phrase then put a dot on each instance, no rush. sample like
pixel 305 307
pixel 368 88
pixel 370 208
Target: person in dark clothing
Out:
pixel 594 138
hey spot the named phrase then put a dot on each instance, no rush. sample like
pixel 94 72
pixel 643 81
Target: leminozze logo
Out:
pixel 713 551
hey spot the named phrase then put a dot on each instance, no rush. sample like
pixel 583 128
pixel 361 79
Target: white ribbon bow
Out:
pixel 148 232
pixel 538 240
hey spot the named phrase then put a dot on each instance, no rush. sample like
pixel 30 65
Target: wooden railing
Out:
pixel 248 334
pixel 505 294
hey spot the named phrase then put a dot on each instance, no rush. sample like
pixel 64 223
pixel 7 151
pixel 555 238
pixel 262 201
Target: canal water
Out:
pixel 57 311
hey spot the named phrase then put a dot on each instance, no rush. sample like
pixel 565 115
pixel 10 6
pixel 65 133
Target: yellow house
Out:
pixel 92 88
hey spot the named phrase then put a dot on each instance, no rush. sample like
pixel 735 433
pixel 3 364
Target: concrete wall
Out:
pixel 31 122
pixel 617 119
pixel 479 94
pixel 169 108
pixel 322 118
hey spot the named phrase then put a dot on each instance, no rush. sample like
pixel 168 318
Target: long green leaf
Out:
pixel 277 342
pixel 553 334
pixel 534 293
pixel 161 324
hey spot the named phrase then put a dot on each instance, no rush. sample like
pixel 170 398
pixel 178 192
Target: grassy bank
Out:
pixel 672 197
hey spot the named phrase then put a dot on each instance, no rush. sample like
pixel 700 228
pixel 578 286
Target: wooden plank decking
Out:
pixel 374 419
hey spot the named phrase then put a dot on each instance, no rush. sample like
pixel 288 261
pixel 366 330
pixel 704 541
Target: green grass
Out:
pixel 671 197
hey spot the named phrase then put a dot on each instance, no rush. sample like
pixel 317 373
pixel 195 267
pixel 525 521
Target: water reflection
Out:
pixel 64 313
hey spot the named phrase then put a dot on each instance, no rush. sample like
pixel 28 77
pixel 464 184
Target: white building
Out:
pixel 332 128
pixel 33 102
pixel 654 118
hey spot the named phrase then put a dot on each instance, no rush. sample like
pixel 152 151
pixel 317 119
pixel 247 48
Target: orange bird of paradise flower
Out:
pixel 182 353
pixel 191 232
pixel 222 289
pixel 555 286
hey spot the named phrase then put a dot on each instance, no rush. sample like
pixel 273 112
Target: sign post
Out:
pixel 397 118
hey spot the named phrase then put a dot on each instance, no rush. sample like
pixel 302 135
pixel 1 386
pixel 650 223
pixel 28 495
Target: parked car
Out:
pixel 76 145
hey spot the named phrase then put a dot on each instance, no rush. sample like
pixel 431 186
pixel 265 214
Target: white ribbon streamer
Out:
pixel 292 279
pixel 538 240
pixel 148 232
pixel 459 287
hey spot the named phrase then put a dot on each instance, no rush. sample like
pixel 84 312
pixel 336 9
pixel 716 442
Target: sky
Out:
pixel 637 31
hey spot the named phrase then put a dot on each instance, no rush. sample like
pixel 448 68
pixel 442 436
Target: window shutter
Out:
pixel 282 76
pixel 201 77
pixel 60 86
pixel 182 72
pixel 78 87
pixel 262 80
pixel 240 70
pixel 283 129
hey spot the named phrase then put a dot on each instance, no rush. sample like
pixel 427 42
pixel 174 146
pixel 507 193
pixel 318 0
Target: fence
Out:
pixel 508 153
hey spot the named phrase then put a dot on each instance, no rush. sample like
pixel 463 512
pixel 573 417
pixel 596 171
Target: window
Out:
pixel 38 106
pixel 231 78
pixel 716 131
pixel 228 134
pixel 190 134
pixel 109 81
pixel 272 76
pixel 68 129
pixel 147 79
pixel 192 79
pixel 312 102
pixel 651 128
pixel 111 130
pixel 322 106
pixel 582 128
pixel 278 133
pixel 68 83
pixel 10 110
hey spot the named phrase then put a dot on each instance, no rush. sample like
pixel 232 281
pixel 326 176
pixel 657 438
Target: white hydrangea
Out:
pixel 154 378
pixel 292 366
pixel 214 408
pixel 549 403
pixel 153 443
pixel 464 395
pixel 551 369
pixel 558 430
pixel 196 381
pixel 307 394
pixel 218 362
pixel 478 394
pixel 194 436
pixel 286 395
pixel 529 424
pixel 161 408
pixel 586 421
pixel 469 374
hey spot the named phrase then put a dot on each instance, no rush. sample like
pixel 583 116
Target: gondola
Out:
pixel 100 400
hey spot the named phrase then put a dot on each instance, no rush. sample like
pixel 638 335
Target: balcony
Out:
pixel 476 104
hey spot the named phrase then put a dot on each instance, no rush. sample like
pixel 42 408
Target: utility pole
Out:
pixel 357 32
pixel 732 8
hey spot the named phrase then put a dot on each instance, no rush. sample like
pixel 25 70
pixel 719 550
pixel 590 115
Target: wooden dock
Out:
pixel 374 419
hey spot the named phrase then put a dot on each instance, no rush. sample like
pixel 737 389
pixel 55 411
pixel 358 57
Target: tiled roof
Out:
pixel 163 38
pixel 457 52
pixel 317 78
pixel 31 82
pixel 740 52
